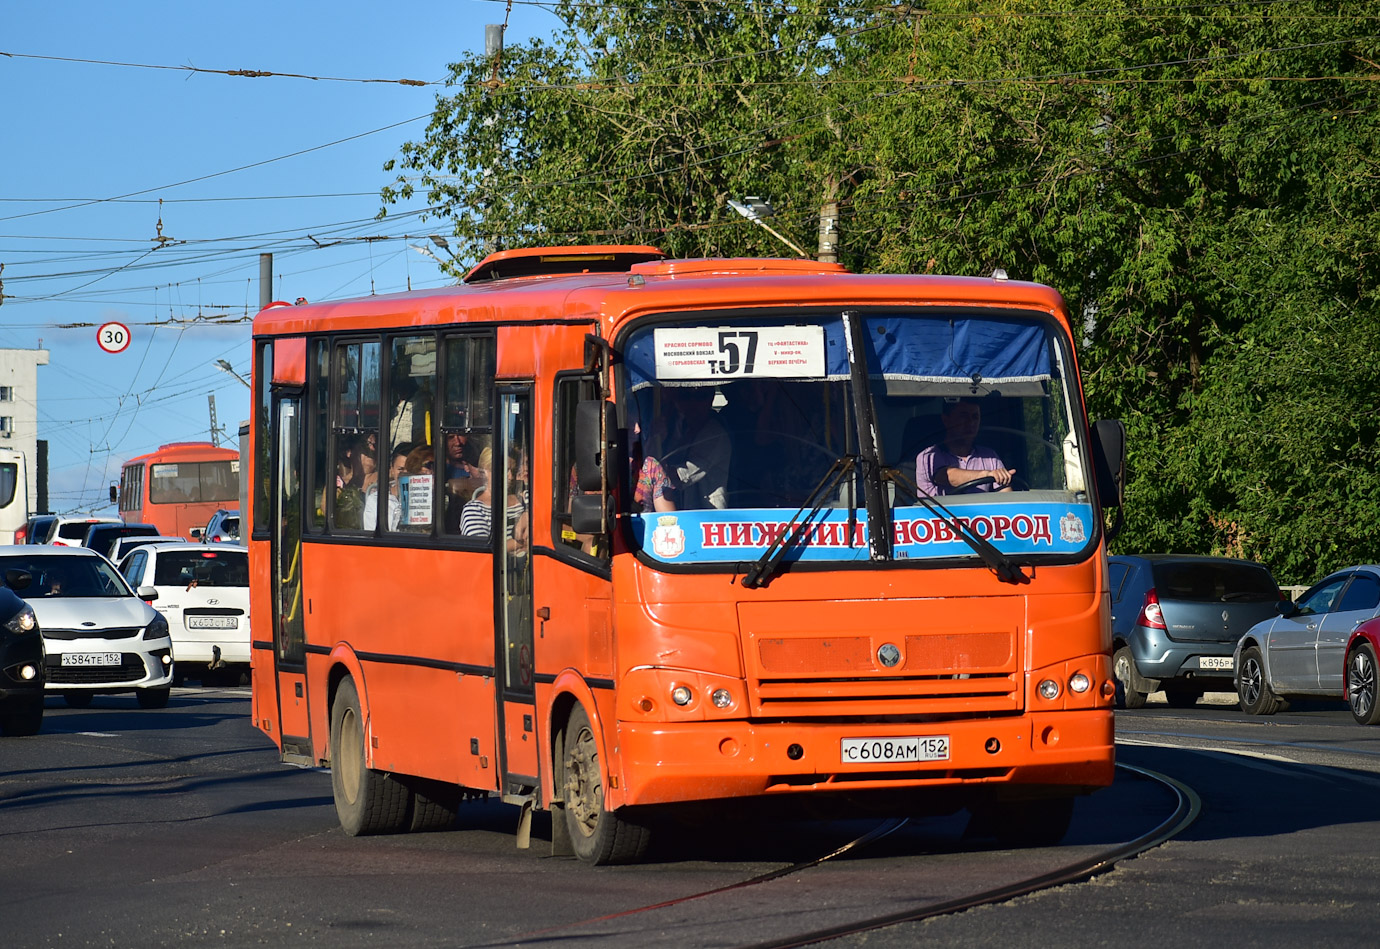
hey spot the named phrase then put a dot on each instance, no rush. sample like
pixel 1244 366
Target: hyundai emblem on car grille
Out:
pixel 889 655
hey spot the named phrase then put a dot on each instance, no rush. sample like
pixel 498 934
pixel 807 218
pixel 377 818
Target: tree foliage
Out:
pixel 1199 181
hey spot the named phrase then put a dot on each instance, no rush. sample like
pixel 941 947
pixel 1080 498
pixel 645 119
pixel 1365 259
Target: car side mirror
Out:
pixel 194 533
pixel 148 594
pixel 17 578
pixel 1287 608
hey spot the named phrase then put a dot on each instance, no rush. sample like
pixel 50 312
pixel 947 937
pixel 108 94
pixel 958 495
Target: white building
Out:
pixel 19 408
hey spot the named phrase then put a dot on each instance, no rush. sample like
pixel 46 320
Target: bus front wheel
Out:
pixel 366 801
pixel 598 836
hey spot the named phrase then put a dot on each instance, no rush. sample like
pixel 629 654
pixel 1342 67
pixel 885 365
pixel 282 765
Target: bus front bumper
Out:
pixel 700 761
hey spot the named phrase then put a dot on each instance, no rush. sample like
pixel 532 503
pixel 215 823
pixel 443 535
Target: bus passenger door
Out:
pixel 289 634
pixel 514 658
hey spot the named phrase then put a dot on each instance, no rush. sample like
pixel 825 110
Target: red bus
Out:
pixel 616 536
pixel 178 487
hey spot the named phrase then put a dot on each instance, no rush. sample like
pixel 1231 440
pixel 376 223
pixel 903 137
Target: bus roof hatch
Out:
pixel 550 261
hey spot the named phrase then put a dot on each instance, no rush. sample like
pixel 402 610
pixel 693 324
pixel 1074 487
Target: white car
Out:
pixel 125 544
pixel 98 636
pixel 67 531
pixel 203 592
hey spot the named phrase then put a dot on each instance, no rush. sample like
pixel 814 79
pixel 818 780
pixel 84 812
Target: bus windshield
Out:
pixel 740 427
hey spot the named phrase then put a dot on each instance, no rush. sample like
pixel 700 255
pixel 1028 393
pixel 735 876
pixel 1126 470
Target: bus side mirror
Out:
pixel 114 494
pixel 1109 461
pixel 590 447
pixel 588 514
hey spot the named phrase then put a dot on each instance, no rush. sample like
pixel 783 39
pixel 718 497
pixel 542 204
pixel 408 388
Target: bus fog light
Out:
pixel 721 698
pixel 1049 689
pixel 680 695
pixel 1079 683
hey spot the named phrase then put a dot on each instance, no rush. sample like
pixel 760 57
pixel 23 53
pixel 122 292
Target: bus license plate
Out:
pixel 212 622
pixel 91 659
pixel 1216 662
pixel 892 750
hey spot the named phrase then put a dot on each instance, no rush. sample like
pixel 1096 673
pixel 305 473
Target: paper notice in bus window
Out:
pixel 728 352
pixel 416 493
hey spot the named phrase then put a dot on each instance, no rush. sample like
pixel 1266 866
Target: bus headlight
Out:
pixel 722 698
pixel 681 695
pixel 24 621
pixel 1049 689
pixel 1079 683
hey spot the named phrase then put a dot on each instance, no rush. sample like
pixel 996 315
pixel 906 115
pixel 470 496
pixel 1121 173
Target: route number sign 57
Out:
pixel 738 352
pixel 113 337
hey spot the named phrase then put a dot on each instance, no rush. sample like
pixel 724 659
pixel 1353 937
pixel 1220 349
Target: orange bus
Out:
pixel 639 536
pixel 178 487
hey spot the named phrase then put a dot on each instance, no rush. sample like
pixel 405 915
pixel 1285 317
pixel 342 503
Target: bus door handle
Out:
pixel 543 614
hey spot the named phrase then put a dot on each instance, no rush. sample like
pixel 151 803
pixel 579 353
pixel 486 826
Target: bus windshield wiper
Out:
pixel 1003 566
pixel 761 570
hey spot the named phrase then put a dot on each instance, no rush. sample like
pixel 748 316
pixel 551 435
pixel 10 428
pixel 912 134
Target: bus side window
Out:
pixel 466 421
pixel 411 400
pixel 571 389
pixel 345 462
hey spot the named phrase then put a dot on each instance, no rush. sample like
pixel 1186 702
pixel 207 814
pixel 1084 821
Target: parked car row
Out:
pixel 74 623
pixel 1193 624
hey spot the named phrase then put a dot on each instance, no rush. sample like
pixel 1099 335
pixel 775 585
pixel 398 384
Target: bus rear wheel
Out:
pixel 598 836
pixel 366 801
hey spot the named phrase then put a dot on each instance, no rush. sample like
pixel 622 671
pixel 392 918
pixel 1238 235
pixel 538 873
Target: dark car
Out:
pixel 101 537
pixel 1176 620
pixel 21 661
pixel 36 530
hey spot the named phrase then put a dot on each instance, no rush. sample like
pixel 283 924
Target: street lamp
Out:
pixel 755 209
pixel 224 366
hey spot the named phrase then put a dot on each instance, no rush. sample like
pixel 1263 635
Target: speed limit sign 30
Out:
pixel 113 337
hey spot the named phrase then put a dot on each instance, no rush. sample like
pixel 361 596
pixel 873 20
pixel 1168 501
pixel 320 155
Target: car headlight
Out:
pixel 158 629
pixel 24 621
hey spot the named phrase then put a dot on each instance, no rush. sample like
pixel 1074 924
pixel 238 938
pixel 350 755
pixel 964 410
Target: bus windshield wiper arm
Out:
pixel 761 569
pixel 1003 566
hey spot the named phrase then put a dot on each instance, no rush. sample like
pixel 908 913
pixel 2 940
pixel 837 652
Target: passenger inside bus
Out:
pixel 697 447
pixel 371 499
pixel 957 462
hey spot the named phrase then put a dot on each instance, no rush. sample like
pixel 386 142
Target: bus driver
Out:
pixel 957 461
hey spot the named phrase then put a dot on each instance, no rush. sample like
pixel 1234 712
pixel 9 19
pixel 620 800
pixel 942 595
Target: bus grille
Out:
pixel 939 674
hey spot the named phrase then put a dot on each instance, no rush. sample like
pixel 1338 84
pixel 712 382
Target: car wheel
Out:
pixel 78 699
pixel 1124 670
pixel 22 717
pixel 366 801
pixel 1361 685
pixel 153 698
pixel 1179 696
pixel 597 836
pixel 1251 687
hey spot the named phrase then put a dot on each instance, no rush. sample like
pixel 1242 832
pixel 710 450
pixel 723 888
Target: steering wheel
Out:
pixel 1017 484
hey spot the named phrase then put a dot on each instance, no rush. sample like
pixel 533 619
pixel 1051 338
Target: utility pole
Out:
pixel 265 280
pixel 215 429
pixel 829 222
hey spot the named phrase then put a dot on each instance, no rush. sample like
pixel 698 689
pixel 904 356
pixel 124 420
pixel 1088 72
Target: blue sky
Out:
pixel 78 135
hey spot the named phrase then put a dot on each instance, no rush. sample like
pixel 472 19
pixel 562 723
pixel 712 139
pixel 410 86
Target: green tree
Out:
pixel 1199 181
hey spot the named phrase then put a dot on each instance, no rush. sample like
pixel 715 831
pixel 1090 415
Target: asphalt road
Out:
pixel 123 827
